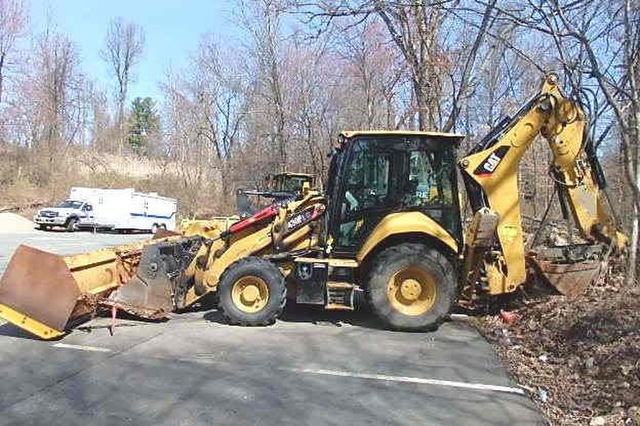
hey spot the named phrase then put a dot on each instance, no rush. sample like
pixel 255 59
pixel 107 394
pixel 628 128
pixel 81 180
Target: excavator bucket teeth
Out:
pixel 38 292
pixel 570 269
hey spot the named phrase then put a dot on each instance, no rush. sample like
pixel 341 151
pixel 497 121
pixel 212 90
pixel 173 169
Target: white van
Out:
pixel 115 209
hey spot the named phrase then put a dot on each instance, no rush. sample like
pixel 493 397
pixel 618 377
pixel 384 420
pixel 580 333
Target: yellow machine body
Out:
pixel 402 224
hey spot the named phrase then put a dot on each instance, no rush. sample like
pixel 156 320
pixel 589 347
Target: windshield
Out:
pixel 293 183
pixel 70 204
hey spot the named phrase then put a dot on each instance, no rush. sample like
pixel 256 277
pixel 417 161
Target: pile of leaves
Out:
pixel 578 358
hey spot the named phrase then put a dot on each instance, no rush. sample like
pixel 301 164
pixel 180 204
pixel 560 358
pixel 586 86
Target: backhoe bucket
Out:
pixel 570 269
pixel 45 294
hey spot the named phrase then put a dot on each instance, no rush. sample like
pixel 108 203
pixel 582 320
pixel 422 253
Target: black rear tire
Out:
pixel 260 271
pixel 384 293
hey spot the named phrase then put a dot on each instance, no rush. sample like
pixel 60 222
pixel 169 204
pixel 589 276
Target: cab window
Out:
pixel 367 182
pixel 429 179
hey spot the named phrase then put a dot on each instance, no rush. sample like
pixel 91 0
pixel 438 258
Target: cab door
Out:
pixel 87 217
pixel 366 193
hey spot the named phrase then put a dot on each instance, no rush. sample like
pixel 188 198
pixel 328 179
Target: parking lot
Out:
pixel 310 368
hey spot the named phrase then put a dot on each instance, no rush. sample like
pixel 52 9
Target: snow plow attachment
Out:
pixel 46 294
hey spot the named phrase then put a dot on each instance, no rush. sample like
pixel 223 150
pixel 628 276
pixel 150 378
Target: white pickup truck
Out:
pixel 115 209
pixel 69 214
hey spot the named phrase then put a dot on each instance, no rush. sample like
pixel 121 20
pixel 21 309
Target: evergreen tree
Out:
pixel 143 123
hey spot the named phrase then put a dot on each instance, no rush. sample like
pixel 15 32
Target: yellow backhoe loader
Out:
pixel 388 224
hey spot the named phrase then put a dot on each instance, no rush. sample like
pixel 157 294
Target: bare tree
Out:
pixel 122 50
pixel 375 71
pixel 13 20
pixel 55 97
pixel 262 20
pixel 417 30
pixel 205 112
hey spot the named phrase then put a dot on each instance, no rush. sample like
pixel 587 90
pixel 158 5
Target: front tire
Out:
pixel 252 292
pixel 72 224
pixel 411 287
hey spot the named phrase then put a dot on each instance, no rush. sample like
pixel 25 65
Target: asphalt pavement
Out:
pixel 310 368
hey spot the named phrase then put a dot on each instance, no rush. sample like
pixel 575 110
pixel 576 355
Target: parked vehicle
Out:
pixel 68 214
pixel 115 209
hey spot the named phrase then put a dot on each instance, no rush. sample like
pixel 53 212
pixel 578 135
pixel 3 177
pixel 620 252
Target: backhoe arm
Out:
pixel 490 172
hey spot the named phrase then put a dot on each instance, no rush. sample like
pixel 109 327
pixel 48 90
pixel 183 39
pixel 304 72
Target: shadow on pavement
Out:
pixel 314 315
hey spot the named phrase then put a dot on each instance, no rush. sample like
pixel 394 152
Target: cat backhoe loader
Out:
pixel 388 224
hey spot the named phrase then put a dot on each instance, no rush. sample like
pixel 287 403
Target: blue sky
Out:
pixel 172 28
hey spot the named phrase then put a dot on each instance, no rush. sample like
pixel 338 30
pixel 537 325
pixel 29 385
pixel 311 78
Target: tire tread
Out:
pixel 241 264
pixel 385 259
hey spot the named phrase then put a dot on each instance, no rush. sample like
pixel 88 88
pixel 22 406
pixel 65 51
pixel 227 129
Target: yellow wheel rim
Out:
pixel 250 294
pixel 412 291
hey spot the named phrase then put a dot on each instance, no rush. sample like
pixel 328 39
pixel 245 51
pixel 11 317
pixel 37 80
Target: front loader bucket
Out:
pixel 44 293
pixel 570 269
pixel 160 282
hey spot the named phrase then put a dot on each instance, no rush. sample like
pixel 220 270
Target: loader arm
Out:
pixel 495 241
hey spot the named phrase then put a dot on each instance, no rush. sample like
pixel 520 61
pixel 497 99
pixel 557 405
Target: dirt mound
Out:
pixel 11 223
pixel 579 358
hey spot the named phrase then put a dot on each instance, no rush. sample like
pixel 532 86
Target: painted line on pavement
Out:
pixel 81 347
pixel 417 380
pixel 381 377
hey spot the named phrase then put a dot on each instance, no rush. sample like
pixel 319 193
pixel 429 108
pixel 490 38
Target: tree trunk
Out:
pixel 634 163
pixel 633 249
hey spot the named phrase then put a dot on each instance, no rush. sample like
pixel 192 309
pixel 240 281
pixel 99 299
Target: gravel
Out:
pixel 11 223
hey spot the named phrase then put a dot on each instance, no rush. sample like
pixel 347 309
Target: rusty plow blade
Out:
pixel 46 294
pixel 570 269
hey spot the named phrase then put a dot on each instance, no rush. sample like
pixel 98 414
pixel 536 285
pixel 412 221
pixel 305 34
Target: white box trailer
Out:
pixel 116 209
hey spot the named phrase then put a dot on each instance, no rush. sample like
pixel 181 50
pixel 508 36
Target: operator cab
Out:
pixel 290 182
pixel 373 174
